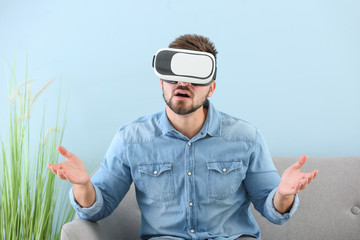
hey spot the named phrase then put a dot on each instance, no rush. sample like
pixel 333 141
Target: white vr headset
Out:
pixel 179 65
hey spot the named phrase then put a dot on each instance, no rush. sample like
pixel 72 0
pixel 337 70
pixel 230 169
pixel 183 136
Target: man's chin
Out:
pixel 183 110
pixel 181 107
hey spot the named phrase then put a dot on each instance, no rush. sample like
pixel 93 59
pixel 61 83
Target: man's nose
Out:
pixel 184 83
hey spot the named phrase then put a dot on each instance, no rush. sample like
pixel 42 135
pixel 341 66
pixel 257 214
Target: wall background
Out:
pixel 290 68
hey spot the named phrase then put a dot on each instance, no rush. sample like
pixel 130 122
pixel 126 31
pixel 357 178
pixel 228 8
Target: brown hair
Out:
pixel 194 42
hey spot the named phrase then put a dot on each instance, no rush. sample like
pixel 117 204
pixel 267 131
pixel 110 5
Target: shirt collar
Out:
pixel 165 124
pixel 213 120
pixel 212 125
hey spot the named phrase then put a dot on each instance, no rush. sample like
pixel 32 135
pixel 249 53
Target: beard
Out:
pixel 182 107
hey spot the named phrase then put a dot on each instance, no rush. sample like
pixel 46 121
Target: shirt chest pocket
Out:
pixel 224 179
pixel 157 181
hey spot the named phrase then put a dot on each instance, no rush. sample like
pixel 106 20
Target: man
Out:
pixel 195 169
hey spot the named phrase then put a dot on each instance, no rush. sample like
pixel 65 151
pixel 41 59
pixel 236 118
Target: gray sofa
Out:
pixel 329 208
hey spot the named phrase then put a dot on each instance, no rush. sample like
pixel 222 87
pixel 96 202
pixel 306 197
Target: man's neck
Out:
pixel 190 124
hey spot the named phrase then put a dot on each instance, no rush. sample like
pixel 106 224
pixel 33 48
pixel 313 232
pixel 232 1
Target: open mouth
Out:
pixel 184 95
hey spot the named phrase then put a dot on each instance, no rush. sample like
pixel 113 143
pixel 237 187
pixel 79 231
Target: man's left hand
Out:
pixel 292 181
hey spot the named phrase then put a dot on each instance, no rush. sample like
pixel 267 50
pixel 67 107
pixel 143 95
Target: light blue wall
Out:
pixel 291 68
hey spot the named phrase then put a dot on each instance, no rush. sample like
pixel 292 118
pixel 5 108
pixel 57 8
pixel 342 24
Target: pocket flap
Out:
pixel 224 167
pixel 155 169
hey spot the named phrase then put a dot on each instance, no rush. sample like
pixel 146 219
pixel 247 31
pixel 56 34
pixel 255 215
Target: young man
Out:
pixel 195 169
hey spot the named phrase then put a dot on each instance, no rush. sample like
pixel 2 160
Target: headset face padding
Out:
pixel 180 65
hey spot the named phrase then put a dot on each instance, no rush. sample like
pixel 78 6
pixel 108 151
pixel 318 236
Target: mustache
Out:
pixel 183 88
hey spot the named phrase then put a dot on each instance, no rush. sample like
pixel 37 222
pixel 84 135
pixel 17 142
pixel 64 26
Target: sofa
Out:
pixel 329 208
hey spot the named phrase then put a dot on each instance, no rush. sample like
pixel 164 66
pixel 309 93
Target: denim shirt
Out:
pixel 199 188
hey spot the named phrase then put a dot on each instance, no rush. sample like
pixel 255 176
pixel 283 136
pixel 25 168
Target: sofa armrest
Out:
pixel 122 224
pixel 80 229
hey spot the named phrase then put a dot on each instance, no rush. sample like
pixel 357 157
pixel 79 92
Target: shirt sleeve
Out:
pixel 87 213
pixel 273 215
pixel 111 182
pixel 261 182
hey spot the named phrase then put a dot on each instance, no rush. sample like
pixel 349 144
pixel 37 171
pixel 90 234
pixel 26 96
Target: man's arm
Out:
pixel 292 181
pixel 74 171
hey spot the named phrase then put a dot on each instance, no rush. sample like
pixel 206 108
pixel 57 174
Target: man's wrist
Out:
pixel 84 194
pixel 283 203
pixel 86 186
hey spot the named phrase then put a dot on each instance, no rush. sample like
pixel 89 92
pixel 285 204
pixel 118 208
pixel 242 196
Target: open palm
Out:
pixel 293 180
pixel 72 170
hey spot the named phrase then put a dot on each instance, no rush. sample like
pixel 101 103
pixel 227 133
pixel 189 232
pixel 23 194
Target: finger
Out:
pixel 313 175
pixel 54 171
pixel 300 163
pixel 310 175
pixel 60 174
pixel 315 172
pixel 306 182
pixel 63 151
pixel 51 166
pixel 297 188
pixel 66 175
pixel 310 180
pixel 58 169
pixel 303 186
pixel 54 167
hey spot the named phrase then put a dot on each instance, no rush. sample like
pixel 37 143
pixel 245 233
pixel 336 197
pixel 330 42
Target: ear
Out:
pixel 161 84
pixel 212 88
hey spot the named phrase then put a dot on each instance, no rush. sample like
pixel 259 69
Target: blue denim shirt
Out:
pixel 195 188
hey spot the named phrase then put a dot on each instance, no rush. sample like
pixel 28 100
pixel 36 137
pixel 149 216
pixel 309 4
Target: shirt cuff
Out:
pixel 87 213
pixel 277 217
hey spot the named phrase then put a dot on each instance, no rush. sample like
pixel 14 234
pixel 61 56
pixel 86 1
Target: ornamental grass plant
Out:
pixel 31 203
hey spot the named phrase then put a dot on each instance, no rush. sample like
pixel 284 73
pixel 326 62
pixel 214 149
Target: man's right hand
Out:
pixel 72 170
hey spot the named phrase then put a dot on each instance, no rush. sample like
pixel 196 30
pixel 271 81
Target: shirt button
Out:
pixel 191 204
pixel 192 230
pixel 189 143
pixel 189 173
pixel 224 170
pixel 155 172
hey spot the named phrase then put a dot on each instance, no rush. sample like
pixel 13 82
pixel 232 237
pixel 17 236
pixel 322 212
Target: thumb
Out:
pixel 300 163
pixel 63 151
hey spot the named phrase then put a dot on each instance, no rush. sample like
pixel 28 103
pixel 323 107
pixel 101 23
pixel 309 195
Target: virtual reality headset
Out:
pixel 180 65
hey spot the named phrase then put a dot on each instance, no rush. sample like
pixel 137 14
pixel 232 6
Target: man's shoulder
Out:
pixel 143 129
pixel 237 129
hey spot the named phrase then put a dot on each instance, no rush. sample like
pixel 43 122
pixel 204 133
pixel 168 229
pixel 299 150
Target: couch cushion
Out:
pixel 327 205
